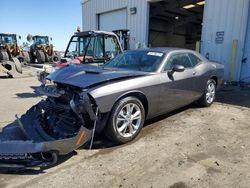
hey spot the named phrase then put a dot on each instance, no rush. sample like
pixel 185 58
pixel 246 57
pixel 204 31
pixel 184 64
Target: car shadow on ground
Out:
pixel 37 170
pixel 234 95
pixel 101 141
pixel 33 94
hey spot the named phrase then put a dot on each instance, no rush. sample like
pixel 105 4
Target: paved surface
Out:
pixel 194 147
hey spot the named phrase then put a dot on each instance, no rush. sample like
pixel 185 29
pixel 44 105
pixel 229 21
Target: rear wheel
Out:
pixel 209 95
pixel 126 120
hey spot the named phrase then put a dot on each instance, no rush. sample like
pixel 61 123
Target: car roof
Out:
pixel 164 49
pixel 167 50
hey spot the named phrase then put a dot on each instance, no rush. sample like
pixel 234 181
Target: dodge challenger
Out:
pixel 114 99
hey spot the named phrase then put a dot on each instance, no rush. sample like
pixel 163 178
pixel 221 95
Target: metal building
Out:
pixel 219 29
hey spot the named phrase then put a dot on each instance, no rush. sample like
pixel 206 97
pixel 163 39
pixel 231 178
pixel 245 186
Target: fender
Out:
pixel 105 107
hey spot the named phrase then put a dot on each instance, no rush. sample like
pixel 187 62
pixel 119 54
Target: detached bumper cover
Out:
pixel 25 143
pixel 27 153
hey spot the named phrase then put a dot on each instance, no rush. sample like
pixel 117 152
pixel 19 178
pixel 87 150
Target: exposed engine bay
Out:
pixel 55 126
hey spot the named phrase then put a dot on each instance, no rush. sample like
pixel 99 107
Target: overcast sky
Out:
pixel 55 18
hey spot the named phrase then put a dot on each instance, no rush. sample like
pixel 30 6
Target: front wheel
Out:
pixel 209 95
pixel 126 120
pixel 40 56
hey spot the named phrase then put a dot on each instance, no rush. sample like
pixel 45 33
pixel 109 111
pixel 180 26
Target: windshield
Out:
pixel 78 45
pixel 8 39
pixel 98 47
pixel 146 61
pixel 41 40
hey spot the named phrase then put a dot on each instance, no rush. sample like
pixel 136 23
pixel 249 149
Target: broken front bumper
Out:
pixel 27 153
pixel 26 143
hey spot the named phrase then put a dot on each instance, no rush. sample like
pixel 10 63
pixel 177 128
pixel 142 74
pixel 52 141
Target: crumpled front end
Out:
pixel 55 126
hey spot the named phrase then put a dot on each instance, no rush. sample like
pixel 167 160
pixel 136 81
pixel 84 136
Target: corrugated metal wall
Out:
pixel 137 23
pixel 230 17
pixel 245 68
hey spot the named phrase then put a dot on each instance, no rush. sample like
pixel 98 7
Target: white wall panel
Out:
pixel 137 23
pixel 113 20
pixel 229 16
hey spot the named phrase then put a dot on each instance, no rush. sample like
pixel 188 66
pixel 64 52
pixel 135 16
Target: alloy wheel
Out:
pixel 128 120
pixel 210 94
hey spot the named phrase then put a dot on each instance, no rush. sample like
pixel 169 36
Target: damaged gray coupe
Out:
pixel 114 99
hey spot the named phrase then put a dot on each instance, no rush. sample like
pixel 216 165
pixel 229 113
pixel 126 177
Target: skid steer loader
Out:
pixel 87 47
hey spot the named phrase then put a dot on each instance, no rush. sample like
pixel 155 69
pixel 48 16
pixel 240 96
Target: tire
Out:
pixel 40 56
pixel 13 67
pixel 18 65
pixel 26 57
pixel 126 128
pixel 209 95
pixel 4 56
pixel 57 56
pixel 32 58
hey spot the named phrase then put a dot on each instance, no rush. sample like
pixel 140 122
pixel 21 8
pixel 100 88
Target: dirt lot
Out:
pixel 193 147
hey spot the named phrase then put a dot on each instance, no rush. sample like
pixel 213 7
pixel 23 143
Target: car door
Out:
pixel 177 87
pixel 200 77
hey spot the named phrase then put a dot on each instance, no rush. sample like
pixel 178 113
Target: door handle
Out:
pixel 194 73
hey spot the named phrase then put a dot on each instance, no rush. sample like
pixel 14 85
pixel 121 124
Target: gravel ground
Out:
pixel 192 147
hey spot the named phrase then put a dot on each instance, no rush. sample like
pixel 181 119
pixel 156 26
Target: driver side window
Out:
pixel 178 59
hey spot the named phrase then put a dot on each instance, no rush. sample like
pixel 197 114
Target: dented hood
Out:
pixel 84 76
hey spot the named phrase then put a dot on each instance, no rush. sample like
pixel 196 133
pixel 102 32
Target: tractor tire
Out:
pixel 4 56
pixel 32 58
pixel 11 68
pixel 18 65
pixel 57 56
pixel 40 56
pixel 26 57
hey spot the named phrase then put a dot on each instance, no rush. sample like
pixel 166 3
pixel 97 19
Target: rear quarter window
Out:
pixel 194 59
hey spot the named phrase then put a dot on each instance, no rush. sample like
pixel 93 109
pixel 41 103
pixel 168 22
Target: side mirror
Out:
pixel 178 68
pixel 50 38
pixel 19 37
